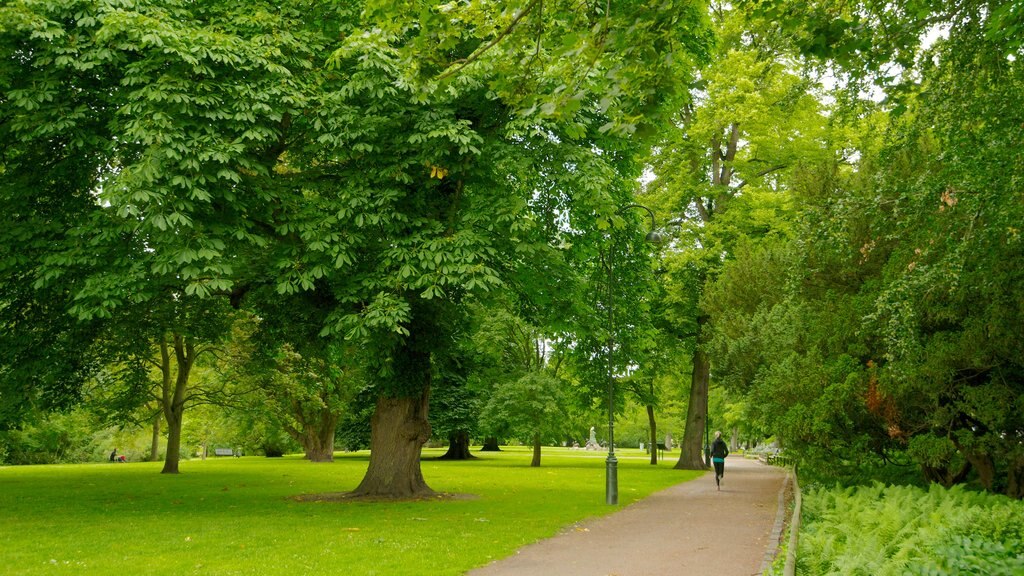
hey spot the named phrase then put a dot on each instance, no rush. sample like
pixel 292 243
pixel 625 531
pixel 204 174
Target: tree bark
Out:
pixel 175 397
pixel 398 431
pixel 536 451
pixel 985 467
pixel 982 463
pixel 653 444
pixel 458 447
pixel 946 476
pixel 490 445
pixel 315 430
pixel 318 437
pixel 154 446
pixel 691 454
pixel 1015 478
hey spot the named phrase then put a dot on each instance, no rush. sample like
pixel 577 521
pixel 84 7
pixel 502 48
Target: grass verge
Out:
pixel 239 515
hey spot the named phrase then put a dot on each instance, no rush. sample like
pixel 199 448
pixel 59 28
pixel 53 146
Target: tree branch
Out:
pixel 764 172
pixel 462 63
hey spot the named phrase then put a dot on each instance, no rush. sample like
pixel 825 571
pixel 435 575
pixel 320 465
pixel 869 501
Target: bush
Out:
pixel 883 530
pixel 56 439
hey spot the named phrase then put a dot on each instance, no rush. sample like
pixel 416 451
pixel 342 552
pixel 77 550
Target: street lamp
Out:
pixel 611 493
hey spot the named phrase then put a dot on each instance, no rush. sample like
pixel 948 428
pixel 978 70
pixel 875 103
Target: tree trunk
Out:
pixel 490 445
pixel 458 447
pixel 982 463
pixel 536 451
pixel 174 398
pixel 1015 478
pixel 318 437
pixel 653 444
pixel 691 454
pixel 398 431
pixel 173 453
pixel 986 468
pixel 314 431
pixel 946 476
pixel 154 446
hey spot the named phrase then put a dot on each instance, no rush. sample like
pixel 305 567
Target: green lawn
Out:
pixel 235 515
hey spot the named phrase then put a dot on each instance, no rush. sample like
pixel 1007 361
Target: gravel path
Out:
pixel 688 529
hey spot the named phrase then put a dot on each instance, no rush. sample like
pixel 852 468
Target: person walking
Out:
pixel 719 451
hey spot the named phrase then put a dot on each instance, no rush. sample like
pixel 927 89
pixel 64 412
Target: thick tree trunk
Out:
pixel 653 444
pixel 1015 478
pixel 982 463
pixel 458 447
pixel 398 431
pixel 946 476
pixel 490 445
pixel 536 451
pixel 154 446
pixel 986 468
pixel 691 454
pixel 318 437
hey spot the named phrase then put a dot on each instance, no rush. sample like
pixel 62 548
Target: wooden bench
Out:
pixel 223 452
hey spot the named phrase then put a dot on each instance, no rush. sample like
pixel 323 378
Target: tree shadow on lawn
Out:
pixel 353 497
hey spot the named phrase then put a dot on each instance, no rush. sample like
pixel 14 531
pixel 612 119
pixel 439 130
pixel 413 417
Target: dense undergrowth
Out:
pixel 881 530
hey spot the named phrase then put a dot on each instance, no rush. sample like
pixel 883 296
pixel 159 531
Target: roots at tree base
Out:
pixel 399 429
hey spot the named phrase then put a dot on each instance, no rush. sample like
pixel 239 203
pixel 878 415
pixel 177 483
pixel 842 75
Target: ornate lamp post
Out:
pixel 611 493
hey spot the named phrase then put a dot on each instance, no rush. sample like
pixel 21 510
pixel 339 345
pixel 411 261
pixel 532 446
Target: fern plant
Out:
pixel 880 530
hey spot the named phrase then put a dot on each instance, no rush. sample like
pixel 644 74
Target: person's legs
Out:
pixel 719 472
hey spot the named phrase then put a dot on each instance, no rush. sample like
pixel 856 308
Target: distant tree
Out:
pixel 530 407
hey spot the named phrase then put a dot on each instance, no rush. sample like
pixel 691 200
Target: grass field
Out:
pixel 238 515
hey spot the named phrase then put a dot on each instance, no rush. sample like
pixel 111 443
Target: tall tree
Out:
pixel 718 168
pixel 381 155
pixel 905 265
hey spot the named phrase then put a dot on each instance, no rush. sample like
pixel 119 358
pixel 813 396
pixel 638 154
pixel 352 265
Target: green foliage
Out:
pixel 885 328
pixel 59 438
pixel 387 160
pixel 882 530
pixel 532 405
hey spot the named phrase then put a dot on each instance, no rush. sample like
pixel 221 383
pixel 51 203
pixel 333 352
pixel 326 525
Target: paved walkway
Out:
pixel 688 529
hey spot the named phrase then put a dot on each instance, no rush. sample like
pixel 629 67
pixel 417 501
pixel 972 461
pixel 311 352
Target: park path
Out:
pixel 688 529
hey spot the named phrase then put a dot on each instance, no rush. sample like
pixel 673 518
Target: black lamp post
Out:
pixel 611 493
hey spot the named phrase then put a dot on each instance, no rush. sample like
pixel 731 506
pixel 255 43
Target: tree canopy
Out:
pixel 844 182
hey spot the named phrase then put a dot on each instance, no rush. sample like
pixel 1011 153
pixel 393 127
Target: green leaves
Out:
pixel 906 530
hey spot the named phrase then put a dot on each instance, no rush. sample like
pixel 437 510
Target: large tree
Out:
pixel 381 155
pixel 892 328
pixel 750 120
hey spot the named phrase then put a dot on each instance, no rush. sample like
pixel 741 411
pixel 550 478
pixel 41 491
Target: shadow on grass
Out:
pixel 352 497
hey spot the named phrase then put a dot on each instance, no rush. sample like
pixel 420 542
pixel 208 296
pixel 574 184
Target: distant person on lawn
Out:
pixel 719 451
pixel 113 455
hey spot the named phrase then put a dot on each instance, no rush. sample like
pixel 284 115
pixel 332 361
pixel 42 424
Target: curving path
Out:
pixel 690 528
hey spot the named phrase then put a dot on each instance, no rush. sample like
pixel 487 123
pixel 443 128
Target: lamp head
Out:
pixel 655 237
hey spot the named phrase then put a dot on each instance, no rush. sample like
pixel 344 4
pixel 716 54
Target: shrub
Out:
pixel 883 530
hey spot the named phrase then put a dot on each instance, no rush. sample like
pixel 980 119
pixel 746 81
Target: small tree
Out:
pixel 532 406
